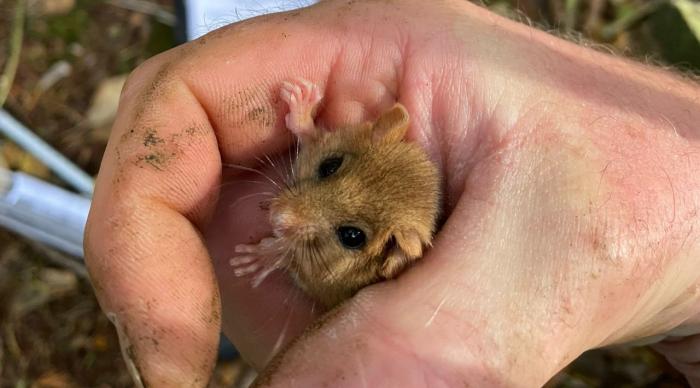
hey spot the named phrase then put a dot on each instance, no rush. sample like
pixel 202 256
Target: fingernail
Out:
pixel 127 350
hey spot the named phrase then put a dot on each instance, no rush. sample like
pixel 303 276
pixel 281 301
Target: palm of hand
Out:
pixel 517 178
pixel 521 188
pixel 262 319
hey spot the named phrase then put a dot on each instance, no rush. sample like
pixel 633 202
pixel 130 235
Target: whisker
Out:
pixel 290 301
pixel 290 171
pixel 242 181
pixel 261 161
pixel 288 252
pixel 297 145
pixel 243 198
pixel 294 293
pixel 283 334
pixel 270 160
pixel 289 157
pixel 280 173
pixel 305 253
pixel 316 251
pixel 283 172
pixel 296 155
pixel 254 170
pixel 266 271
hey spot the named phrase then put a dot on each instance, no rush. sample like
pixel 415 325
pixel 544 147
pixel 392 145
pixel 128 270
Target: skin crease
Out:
pixel 571 193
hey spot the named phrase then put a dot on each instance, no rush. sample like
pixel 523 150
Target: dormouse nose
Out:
pixel 285 218
pixel 298 213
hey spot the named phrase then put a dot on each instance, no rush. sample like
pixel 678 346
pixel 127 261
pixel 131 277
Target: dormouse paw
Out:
pixel 303 98
pixel 244 264
pixel 260 259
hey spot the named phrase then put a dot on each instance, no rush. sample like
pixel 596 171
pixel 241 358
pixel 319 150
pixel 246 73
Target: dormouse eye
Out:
pixel 329 166
pixel 351 237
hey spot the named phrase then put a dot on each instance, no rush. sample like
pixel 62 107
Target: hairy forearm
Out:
pixel 639 129
pixel 635 126
pixel 580 76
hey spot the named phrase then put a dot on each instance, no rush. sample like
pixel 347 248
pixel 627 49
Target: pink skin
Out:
pixel 571 194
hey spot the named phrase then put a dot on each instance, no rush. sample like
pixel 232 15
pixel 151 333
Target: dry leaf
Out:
pixel 103 108
pixel 50 285
pixel 53 379
pixel 50 7
pixel 690 9
pixel 17 159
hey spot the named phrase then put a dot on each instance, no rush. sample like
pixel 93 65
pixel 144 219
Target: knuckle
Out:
pixel 143 75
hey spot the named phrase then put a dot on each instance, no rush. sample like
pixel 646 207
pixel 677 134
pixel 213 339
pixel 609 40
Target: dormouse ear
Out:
pixel 391 125
pixel 407 247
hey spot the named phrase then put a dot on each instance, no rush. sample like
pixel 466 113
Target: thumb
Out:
pixel 142 233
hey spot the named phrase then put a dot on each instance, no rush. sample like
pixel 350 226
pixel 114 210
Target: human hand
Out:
pixel 569 188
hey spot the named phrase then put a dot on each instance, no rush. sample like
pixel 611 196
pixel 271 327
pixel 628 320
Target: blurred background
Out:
pixel 62 66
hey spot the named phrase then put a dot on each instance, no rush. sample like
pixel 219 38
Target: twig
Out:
pixel 62 260
pixel 2 354
pixel 148 8
pixel 595 13
pixel 570 14
pixel 614 29
pixel 11 342
pixel 15 47
pixel 64 168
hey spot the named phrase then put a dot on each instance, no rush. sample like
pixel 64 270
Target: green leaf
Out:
pixel 666 36
pixel 690 10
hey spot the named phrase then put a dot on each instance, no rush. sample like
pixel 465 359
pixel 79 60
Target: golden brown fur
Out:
pixel 385 186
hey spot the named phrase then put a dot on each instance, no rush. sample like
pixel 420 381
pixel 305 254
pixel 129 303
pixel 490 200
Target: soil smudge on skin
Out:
pixel 161 151
pixel 151 139
pixel 261 115
pixel 251 107
pixel 158 160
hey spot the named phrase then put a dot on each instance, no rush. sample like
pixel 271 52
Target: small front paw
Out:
pixel 303 98
pixel 259 259
pixel 244 264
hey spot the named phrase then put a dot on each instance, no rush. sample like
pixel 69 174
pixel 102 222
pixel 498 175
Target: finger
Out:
pixel 359 80
pixel 683 351
pixel 691 372
pixel 148 265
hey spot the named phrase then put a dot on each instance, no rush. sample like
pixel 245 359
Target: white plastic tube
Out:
pixel 43 212
pixel 33 144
